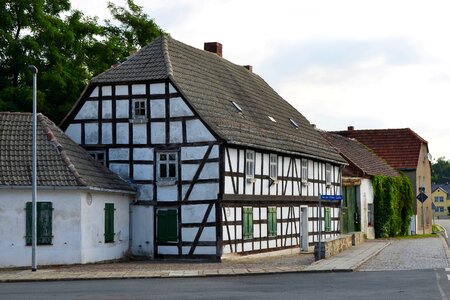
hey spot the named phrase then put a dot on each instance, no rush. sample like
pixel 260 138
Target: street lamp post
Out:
pixel 34 70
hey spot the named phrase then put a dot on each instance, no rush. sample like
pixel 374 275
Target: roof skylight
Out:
pixel 293 123
pixel 272 119
pixel 237 106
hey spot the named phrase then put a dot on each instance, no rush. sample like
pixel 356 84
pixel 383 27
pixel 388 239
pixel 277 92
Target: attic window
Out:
pixel 294 123
pixel 237 106
pixel 272 119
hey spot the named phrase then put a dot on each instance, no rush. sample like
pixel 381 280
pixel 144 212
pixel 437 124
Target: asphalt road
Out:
pixel 418 284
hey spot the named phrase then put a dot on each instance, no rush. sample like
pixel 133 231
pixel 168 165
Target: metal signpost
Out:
pixel 34 70
pixel 327 198
pixel 422 197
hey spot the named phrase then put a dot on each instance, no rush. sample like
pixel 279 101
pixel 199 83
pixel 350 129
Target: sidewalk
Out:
pixel 346 261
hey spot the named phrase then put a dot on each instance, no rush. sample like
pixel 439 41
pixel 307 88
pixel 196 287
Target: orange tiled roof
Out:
pixel 399 147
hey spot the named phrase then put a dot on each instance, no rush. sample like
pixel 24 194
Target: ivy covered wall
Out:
pixel 393 205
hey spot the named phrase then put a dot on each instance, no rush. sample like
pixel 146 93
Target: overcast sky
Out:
pixel 369 64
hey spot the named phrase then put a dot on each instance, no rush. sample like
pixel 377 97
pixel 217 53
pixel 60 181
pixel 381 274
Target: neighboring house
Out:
pixel 440 197
pixel 82 207
pixel 405 151
pixel 363 164
pixel 221 162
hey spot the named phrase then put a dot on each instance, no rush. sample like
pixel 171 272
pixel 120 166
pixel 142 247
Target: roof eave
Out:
pixel 77 188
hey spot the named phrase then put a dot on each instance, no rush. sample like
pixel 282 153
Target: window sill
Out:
pixel 273 181
pixel 251 180
pixel 137 120
pixel 166 182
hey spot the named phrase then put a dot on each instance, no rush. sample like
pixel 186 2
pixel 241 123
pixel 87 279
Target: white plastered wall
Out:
pixel 76 229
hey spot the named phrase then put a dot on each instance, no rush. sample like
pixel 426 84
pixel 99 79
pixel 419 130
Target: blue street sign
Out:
pixel 331 197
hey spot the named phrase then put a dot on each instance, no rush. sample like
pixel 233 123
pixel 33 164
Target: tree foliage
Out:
pixel 440 171
pixel 67 50
pixel 393 205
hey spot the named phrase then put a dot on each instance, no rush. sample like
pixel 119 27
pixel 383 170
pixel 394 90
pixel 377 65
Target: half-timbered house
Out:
pixel 221 163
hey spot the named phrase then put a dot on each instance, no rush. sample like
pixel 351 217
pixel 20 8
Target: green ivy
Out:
pixel 393 205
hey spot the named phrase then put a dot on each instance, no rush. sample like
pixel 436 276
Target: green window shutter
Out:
pixel 172 225
pixel 161 227
pixel 167 225
pixel 272 221
pixel 109 222
pixel 247 222
pixel 28 224
pixel 327 219
pixel 44 223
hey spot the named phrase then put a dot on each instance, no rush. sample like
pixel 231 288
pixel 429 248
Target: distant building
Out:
pixel 441 198
pixel 405 151
pixel 363 164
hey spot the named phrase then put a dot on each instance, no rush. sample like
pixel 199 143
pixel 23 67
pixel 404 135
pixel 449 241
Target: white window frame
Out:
pixel 273 167
pixel 136 116
pixel 166 180
pixel 328 174
pixel 95 155
pixel 304 171
pixel 250 165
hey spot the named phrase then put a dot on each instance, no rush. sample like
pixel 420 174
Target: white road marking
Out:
pixel 447 269
pixel 441 291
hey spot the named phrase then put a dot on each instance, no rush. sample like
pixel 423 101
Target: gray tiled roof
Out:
pixel 360 156
pixel 60 161
pixel 209 83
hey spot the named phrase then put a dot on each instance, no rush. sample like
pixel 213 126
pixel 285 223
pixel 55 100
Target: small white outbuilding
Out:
pixel 82 207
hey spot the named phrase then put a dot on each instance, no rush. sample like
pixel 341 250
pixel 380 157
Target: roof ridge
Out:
pixel 51 137
pixel 165 50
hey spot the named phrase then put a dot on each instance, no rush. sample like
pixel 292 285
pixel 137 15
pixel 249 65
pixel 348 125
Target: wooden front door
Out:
pixel 350 215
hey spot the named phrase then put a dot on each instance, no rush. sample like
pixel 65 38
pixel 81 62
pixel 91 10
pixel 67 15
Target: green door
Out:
pixel 350 216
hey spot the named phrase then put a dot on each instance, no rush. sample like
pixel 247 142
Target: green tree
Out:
pixel 440 171
pixel 67 51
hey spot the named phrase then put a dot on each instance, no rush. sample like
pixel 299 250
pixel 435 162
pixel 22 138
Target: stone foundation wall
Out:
pixel 334 245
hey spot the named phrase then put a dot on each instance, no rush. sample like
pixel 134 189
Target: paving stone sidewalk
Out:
pixel 364 255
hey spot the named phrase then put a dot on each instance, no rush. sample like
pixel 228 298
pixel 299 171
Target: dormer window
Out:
pixel 293 123
pixel 272 119
pixel 239 109
pixel 139 108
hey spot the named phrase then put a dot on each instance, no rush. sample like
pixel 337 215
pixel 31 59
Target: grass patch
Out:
pixel 417 236
pixel 437 228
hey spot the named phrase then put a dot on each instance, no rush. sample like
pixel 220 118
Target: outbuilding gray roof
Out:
pixel 210 83
pixel 60 161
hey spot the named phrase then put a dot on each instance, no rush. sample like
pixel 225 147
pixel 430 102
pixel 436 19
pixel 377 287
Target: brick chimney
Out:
pixel 248 67
pixel 350 128
pixel 214 47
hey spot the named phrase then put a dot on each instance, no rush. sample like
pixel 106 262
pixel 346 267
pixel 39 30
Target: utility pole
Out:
pixel 34 70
